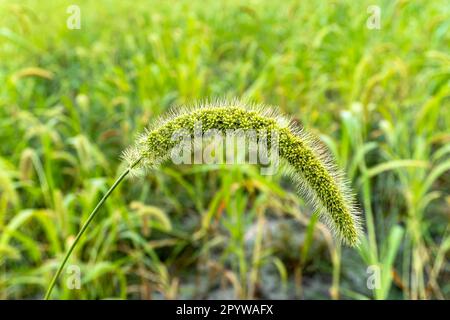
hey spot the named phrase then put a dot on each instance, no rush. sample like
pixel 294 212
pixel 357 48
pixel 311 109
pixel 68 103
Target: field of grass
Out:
pixel 72 99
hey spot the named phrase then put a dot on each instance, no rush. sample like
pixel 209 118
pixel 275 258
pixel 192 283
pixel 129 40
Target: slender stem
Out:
pixel 85 225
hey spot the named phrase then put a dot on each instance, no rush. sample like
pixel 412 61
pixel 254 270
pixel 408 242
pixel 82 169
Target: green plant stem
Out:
pixel 86 224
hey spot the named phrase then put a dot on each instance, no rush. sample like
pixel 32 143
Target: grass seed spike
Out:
pixel 308 164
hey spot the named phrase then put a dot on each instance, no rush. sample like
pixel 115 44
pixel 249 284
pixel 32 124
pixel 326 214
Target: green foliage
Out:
pixel 71 100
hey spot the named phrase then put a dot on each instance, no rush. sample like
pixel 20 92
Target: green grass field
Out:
pixel 72 99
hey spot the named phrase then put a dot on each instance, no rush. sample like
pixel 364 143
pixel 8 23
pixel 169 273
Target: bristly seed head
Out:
pixel 309 165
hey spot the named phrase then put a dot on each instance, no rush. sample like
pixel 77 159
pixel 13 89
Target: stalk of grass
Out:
pixel 308 165
pixel 86 224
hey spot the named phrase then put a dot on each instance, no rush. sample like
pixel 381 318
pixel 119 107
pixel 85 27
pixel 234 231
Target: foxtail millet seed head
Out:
pixel 309 165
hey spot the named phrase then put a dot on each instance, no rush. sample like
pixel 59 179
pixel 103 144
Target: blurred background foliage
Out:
pixel 72 100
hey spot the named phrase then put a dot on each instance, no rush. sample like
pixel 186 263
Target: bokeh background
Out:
pixel 72 99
